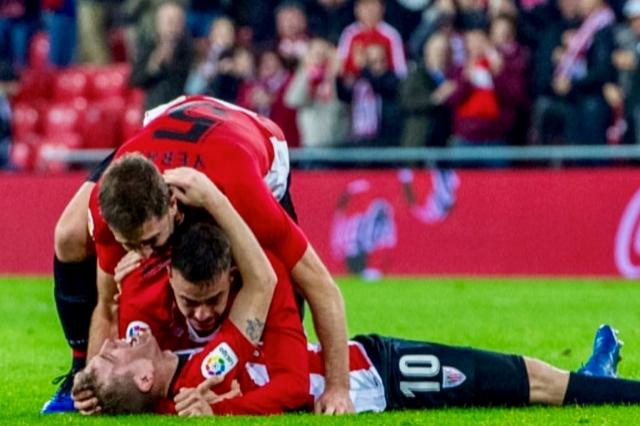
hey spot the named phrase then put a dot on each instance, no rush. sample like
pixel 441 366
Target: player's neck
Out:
pixel 166 369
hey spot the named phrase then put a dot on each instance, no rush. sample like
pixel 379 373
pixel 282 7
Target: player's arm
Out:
pixel 249 310
pixel 104 319
pixel 277 232
pixel 285 352
pixel 319 289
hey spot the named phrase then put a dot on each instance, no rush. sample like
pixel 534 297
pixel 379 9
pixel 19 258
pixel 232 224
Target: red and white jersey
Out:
pixel 147 303
pixel 365 385
pixel 274 376
pixel 357 36
pixel 244 154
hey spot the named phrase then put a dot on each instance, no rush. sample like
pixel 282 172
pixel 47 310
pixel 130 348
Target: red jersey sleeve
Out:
pixel 285 356
pixel 232 168
pixel 108 250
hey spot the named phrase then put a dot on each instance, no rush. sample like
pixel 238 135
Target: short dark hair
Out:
pixel 132 191
pixel 120 396
pixel 201 252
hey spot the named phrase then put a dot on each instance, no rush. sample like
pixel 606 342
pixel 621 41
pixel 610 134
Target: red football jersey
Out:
pixel 147 303
pixel 267 374
pixel 243 153
pixel 357 36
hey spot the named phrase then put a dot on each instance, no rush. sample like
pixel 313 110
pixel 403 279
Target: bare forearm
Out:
pixel 327 308
pixel 103 326
pixel 247 253
pixel 330 326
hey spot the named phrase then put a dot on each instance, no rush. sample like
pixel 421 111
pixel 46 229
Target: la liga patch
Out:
pixel 219 361
pixel 135 328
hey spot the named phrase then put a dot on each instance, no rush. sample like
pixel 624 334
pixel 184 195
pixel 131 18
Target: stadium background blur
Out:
pixel 481 77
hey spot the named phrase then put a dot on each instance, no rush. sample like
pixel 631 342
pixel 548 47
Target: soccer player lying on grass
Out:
pixel 202 254
pixel 385 374
pixel 245 155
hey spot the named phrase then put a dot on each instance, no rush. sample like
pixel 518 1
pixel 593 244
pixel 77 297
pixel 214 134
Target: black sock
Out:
pixel 601 390
pixel 75 294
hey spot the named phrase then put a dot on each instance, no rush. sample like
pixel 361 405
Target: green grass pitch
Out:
pixel 550 319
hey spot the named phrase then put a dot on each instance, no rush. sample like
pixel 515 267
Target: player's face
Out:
pixel 202 305
pixel 153 236
pixel 117 357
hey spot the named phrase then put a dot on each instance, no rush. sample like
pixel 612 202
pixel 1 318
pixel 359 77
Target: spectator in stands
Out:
pixel 8 87
pixel 93 30
pixel 375 115
pixel 626 60
pixel 322 117
pixel 475 101
pixel 201 14
pixel 511 80
pixel 471 15
pixel 235 76
pixel 438 16
pixel 222 37
pixel 583 69
pixel 266 96
pixel 551 23
pixel 291 28
pixel 423 96
pixel 252 19
pixel 140 16
pixel 163 62
pixel 329 17
pixel 60 21
pixel 19 20
pixel 368 29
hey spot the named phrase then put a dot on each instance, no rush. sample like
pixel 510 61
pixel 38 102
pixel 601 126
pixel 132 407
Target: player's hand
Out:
pixel 85 401
pixel 197 401
pixel 127 264
pixel 192 188
pixel 334 401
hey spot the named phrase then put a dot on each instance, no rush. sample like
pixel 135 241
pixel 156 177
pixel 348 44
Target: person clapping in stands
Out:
pixel 162 64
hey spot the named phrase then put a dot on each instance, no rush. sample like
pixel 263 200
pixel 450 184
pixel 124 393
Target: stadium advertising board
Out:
pixel 399 222
pixel 537 222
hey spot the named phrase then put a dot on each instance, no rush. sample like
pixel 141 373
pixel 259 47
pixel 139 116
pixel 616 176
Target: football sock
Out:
pixel 75 294
pixel 601 390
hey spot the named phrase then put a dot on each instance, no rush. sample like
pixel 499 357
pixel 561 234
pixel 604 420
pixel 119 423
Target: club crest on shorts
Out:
pixel 452 377
pixel 219 361
pixel 135 328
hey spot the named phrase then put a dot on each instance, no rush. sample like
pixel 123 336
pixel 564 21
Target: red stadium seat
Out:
pixel 22 156
pixel 136 97
pixel 70 84
pixel 61 118
pixel 34 84
pixel 39 51
pixel 25 120
pixel 131 121
pixel 102 124
pixel 110 82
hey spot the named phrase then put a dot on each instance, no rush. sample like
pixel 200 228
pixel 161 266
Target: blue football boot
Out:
pixel 61 402
pixel 606 354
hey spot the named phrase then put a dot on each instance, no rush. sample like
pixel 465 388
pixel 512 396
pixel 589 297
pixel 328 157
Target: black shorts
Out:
pixel 420 375
pixel 97 171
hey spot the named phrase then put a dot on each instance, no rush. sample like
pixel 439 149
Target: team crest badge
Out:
pixel 219 361
pixel 452 377
pixel 135 328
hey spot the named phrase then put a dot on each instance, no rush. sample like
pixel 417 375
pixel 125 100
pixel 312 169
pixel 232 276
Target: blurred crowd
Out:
pixel 363 72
